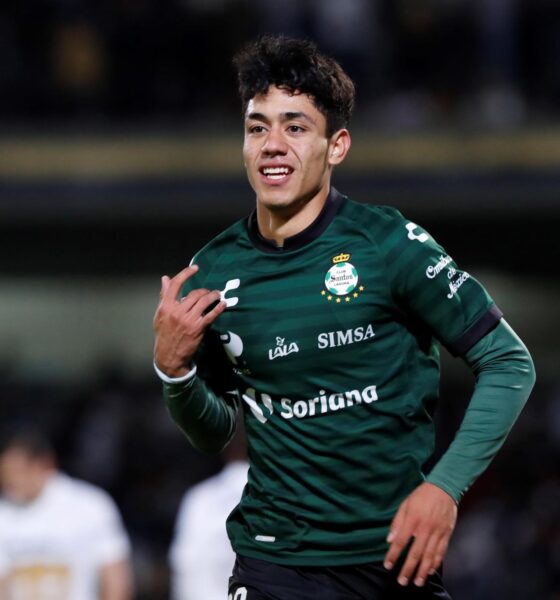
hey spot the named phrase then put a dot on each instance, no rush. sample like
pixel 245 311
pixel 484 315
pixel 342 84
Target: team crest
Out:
pixel 341 280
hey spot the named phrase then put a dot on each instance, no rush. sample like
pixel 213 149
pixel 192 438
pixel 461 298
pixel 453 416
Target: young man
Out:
pixel 320 317
pixel 59 537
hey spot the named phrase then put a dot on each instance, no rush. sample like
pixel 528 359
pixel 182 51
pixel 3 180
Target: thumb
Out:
pixel 164 284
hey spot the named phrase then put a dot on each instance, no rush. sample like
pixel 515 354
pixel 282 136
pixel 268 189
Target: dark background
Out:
pixel 120 155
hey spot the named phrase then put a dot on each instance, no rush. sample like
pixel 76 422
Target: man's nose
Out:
pixel 274 143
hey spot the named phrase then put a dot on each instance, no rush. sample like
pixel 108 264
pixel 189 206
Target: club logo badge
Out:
pixel 341 280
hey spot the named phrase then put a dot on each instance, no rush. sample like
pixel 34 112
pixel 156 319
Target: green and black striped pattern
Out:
pixel 330 345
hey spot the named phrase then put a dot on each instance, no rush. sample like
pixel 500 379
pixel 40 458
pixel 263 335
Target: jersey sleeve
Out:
pixel 428 284
pixel 205 406
pixel 505 376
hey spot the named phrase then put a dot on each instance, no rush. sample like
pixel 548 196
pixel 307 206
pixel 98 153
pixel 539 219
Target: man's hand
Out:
pixel 429 515
pixel 180 323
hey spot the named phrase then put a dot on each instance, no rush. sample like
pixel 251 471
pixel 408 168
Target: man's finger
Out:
pixel 204 302
pixel 164 286
pixel 213 314
pixel 188 302
pixel 397 525
pixel 441 552
pixel 401 539
pixel 176 284
pixel 412 559
pixel 427 564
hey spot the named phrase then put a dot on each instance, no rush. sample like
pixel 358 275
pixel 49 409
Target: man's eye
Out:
pixel 295 129
pixel 256 129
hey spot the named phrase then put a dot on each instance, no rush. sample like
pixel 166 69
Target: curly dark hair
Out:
pixel 297 66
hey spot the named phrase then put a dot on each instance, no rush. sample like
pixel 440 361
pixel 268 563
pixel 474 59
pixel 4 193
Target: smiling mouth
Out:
pixel 275 174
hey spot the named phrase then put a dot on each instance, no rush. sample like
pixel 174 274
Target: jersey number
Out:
pixel 240 594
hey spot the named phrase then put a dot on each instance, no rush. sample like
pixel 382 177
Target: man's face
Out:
pixel 286 150
pixel 22 476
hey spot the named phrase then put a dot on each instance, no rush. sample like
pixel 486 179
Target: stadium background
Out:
pixel 120 140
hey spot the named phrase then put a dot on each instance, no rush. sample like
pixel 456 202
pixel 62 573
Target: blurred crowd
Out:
pixel 416 62
pixel 118 436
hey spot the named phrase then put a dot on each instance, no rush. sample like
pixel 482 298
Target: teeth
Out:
pixel 276 170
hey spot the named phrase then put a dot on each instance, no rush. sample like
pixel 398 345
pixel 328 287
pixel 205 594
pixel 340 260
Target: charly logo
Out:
pixel 282 349
pixel 342 280
pixel 232 284
pixel 422 237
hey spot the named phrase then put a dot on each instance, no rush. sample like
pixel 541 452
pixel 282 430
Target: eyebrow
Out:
pixel 287 116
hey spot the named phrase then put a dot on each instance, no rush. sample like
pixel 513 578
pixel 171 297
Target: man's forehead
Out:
pixel 281 101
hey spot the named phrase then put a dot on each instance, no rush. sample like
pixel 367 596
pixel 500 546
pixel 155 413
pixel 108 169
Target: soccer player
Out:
pixel 321 317
pixel 60 538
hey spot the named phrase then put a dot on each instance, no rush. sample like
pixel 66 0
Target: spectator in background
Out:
pixel 60 538
pixel 201 557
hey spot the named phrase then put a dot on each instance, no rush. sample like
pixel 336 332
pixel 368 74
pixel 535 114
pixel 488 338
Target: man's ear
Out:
pixel 339 146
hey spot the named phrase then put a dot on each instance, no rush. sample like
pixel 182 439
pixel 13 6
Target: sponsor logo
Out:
pixel 423 237
pixel 434 270
pixel 322 404
pixel 282 349
pixel 232 284
pixel 233 345
pixel 341 280
pixel 332 339
pixel 455 285
pixel 250 398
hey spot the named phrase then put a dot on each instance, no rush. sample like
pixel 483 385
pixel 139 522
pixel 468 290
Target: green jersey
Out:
pixel 330 344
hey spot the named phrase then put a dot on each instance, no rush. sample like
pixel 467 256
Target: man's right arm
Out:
pixel 180 323
pixel 206 419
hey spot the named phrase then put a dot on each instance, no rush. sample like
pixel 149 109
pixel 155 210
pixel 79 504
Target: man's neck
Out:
pixel 278 225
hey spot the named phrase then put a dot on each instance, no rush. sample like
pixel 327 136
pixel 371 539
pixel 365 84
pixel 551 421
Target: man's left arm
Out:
pixel 505 375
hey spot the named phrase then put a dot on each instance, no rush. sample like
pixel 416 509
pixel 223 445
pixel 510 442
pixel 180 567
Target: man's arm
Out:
pixel 115 581
pixel 206 419
pixel 180 324
pixel 505 375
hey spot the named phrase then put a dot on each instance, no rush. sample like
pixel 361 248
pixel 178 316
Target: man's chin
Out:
pixel 277 202
pixel 283 200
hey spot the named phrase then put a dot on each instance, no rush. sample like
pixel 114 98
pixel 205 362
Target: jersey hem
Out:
pixel 315 560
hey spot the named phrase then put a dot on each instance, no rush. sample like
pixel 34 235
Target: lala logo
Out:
pixel 282 349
